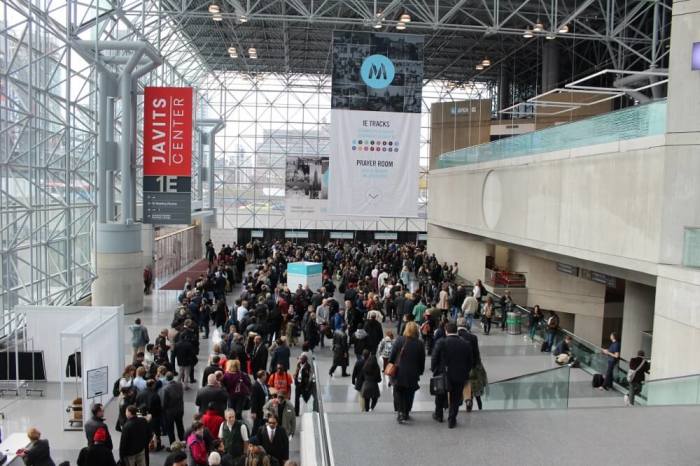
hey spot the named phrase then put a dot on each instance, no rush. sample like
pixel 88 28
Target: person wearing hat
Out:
pixel 95 422
pixel 98 453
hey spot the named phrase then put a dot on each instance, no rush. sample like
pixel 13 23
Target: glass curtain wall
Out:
pixel 271 115
pixel 48 128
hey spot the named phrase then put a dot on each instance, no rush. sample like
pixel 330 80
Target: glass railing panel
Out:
pixel 674 391
pixel 629 123
pixel 548 389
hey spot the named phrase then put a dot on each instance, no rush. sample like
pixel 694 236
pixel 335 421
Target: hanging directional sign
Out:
pixel 167 155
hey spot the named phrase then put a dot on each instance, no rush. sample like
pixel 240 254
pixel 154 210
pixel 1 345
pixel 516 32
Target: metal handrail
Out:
pixel 327 459
pixel 174 233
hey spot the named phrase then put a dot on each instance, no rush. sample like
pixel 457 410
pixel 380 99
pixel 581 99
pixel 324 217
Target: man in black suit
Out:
pixel 212 393
pixel 258 355
pixel 452 356
pixel 464 333
pixel 211 369
pixel 136 434
pixel 273 438
pixel 259 395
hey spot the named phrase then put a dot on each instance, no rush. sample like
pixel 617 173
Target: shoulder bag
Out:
pixel 393 368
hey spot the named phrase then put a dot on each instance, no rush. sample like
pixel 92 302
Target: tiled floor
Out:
pixel 572 437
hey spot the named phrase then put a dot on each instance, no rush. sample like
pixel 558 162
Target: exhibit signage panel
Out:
pixel 167 155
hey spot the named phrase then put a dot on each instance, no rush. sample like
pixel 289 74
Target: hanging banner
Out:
pixel 375 124
pixel 167 155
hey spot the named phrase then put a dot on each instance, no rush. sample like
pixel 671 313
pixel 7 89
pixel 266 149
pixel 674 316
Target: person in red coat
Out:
pixel 211 419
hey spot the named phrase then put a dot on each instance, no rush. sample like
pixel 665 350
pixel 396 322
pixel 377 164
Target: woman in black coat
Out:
pixel 408 353
pixel 370 385
pixel 340 352
pixel 312 333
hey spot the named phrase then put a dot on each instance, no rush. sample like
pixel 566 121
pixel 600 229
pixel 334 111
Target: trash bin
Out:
pixel 514 323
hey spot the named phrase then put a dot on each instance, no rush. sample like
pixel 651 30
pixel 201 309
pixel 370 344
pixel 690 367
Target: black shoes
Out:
pixel 437 417
pixel 451 423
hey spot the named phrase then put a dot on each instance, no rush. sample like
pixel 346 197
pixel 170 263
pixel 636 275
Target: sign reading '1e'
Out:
pixel 167 155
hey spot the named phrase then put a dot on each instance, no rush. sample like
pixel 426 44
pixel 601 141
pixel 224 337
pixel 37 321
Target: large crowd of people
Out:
pixel 392 305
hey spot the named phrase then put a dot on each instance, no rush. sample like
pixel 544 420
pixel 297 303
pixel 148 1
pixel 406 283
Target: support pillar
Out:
pixel 119 267
pixel 119 255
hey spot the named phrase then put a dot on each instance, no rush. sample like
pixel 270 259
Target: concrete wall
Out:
pixel 676 336
pixel 566 202
pixel 552 289
pixel 454 246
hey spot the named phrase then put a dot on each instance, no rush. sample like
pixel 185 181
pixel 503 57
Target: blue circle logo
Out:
pixel 377 71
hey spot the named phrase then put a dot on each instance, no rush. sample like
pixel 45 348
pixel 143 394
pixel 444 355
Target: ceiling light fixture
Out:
pixel 243 19
pixel 214 8
pixel 539 27
pixel 233 55
pixel 377 24
pixel 405 18
pixel 252 52
pixel 232 50
pixel 564 28
pixel 400 26
pixel 217 17
pixel 486 62
pixel 479 67
pixel 527 34
pixel 550 36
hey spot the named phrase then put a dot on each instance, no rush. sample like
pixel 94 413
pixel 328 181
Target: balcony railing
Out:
pixel 629 123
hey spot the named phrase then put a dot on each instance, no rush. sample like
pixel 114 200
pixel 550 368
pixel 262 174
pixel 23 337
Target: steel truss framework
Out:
pixel 295 35
pixel 47 142
pixel 48 98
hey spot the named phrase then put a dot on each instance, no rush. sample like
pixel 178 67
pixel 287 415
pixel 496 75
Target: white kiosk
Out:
pixel 304 273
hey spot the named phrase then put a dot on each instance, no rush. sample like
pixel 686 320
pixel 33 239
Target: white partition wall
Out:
pixel 61 331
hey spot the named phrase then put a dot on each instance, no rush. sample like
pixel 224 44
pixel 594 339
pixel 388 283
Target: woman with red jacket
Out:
pixel 196 445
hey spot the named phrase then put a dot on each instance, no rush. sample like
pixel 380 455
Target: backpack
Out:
pixel 238 389
pixel 115 388
pixel 425 328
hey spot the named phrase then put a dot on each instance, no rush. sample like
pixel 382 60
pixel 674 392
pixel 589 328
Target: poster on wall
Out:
pixel 167 155
pixel 306 185
pixel 375 124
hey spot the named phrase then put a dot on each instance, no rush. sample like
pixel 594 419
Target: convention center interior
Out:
pixel 349 232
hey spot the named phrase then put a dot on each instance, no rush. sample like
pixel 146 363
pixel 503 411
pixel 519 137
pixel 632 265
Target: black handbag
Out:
pixel 439 385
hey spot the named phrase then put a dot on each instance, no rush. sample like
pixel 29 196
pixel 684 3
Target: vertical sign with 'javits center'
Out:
pixel 167 155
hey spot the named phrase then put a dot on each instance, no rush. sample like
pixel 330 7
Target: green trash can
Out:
pixel 514 323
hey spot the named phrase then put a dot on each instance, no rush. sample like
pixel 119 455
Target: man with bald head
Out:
pixel 212 393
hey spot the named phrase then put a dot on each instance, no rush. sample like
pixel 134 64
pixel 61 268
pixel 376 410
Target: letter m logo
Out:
pixel 377 72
